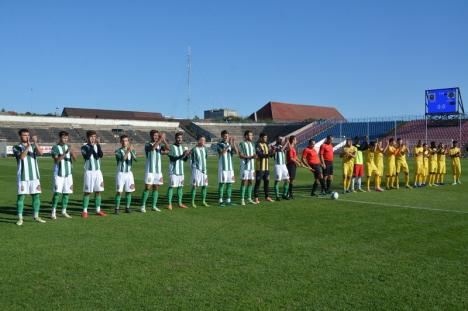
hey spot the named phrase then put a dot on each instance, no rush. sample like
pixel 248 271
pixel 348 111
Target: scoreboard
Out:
pixel 442 101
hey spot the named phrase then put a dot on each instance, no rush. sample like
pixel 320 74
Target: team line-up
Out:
pixel 254 169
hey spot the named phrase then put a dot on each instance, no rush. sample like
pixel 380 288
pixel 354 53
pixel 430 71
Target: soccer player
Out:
pixel 292 164
pixel 425 163
pixel 28 182
pixel 125 155
pixel 262 170
pixel 379 162
pixel 401 164
pixel 154 149
pixel 198 157
pixel 311 160
pixel 226 148
pixel 348 155
pixel 92 178
pixel 281 170
pixel 390 151
pixel 419 164
pixel 432 164
pixel 326 158
pixel 358 170
pixel 441 166
pixel 371 168
pixel 455 154
pixel 247 157
pixel 177 156
pixel 63 156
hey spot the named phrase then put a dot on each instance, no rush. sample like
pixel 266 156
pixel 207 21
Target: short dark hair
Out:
pixel 391 140
pixel 311 140
pixel 21 131
pixel 291 138
pixel 90 133
pixel 152 132
pixel 123 136
pixel 63 133
pixel 224 132
pixel 262 134
pixel 399 138
pixel 200 136
pixel 454 142
pixel 247 132
pixel 329 137
pixel 178 134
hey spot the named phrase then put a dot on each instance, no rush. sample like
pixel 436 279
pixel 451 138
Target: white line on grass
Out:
pixel 397 205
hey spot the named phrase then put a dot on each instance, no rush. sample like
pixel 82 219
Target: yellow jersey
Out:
pixel 432 154
pixel 391 151
pixel 401 153
pixel 347 158
pixel 419 154
pixel 370 156
pixel 454 152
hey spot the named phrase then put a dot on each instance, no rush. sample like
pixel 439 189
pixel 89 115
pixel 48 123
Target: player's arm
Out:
pixel 37 148
pixel 304 161
pixel 21 154
pixel 234 149
pixel 86 152
pixel 241 153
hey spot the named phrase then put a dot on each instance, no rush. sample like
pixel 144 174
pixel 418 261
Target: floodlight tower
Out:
pixel 189 77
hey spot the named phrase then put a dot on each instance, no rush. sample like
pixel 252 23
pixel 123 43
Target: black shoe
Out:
pixel 277 198
pixel 285 197
pixel 323 193
pixel 312 194
pixel 127 210
pixel 116 211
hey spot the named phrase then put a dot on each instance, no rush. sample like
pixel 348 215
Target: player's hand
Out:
pixel 97 141
pixel 34 139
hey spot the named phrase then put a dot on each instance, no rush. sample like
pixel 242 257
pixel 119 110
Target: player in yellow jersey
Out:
pixel 371 168
pixel 455 154
pixel 348 154
pixel 418 154
pixel 379 162
pixel 432 164
pixel 401 164
pixel 390 151
pixel 425 164
pixel 441 170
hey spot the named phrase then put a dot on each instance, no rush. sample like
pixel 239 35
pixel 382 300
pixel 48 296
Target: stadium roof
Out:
pixel 286 112
pixel 111 114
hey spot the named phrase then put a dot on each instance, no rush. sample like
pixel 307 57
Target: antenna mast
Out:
pixel 189 77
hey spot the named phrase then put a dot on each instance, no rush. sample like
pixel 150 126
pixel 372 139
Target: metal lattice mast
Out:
pixel 189 77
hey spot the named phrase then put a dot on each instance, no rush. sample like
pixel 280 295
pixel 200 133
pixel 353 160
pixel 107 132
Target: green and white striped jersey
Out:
pixel 153 158
pixel 92 155
pixel 198 158
pixel 124 166
pixel 247 148
pixel 28 168
pixel 63 168
pixel 280 156
pixel 225 160
pixel 176 167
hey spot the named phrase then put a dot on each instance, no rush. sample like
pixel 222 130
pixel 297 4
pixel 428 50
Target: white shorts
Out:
pixel 29 187
pixel 247 174
pixel 226 177
pixel 93 181
pixel 281 172
pixel 153 178
pixel 199 178
pixel 124 181
pixel 176 180
pixel 63 184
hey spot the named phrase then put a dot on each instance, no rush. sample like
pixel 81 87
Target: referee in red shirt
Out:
pixel 311 160
pixel 326 159
pixel 292 163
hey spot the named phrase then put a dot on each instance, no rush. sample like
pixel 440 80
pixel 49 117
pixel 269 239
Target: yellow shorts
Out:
pixel 441 168
pixel 348 169
pixel 456 167
pixel 402 166
pixel 391 169
pixel 419 168
pixel 433 167
pixel 371 169
pixel 426 170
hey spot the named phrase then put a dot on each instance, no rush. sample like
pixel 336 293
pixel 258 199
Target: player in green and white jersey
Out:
pixel 198 157
pixel 154 149
pixel 125 156
pixel 247 157
pixel 226 148
pixel 26 153
pixel 178 154
pixel 281 170
pixel 92 177
pixel 63 156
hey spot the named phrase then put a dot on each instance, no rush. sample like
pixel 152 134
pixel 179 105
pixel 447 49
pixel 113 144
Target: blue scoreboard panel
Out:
pixel 442 101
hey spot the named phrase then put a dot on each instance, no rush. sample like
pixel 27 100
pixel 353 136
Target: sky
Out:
pixel 366 58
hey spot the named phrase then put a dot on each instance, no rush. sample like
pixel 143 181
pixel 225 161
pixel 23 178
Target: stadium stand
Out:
pixel 285 112
pixel 111 114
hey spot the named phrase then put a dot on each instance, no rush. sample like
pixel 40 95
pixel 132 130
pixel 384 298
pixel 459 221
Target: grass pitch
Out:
pixel 401 249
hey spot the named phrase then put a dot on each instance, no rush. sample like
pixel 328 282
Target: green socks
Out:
pixel 249 191
pixel 85 203
pixel 229 192
pixel 276 189
pixel 55 200
pixel 285 189
pixel 128 200
pixel 154 198
pixel 180 194
pixel 97 203
pixel 221 191
pixel 117 201
pixel 20 204
pixel 144 197
pixel 36 204
pixel 242 191
pixel 65 198
pixel 170 193
pixel 204 190
pixel 193 193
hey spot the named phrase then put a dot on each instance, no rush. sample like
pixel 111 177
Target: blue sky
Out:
pixel 367 58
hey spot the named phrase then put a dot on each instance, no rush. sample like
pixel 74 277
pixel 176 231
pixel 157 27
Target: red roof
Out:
pixel 285 112
pixel 111 114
